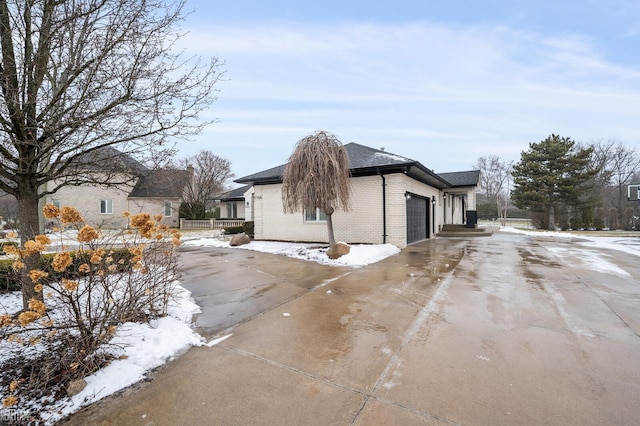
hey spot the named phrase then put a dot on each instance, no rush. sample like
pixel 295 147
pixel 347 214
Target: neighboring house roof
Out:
pixel 161 183
pixel 468 178
pixel 109 159
pixel 233 195
pixel 364 161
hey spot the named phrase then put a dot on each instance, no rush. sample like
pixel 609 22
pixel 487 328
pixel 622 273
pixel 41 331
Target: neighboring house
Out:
pixel 232 203
pixel 157 192
pixel 394 200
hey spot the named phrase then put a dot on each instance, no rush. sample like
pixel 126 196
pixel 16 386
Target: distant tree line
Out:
pixel 559 183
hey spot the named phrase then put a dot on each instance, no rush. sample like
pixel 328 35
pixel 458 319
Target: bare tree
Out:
pixel 8 208
pixel 80 75
pixel 317 176
pixel 495 175
pixel 210 176
pixel 617 164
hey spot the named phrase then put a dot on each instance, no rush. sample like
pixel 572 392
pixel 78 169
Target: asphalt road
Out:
pixel 502 330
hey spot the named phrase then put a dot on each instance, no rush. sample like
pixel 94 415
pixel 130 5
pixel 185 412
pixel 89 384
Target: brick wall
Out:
pixel 363 223
pixel 86 199
pixel 155 206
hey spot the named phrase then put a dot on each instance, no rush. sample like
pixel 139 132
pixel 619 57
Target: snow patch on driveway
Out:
pixel 595 261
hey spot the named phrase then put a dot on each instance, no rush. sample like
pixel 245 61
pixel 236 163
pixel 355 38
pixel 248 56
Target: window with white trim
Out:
pixel 106 206
pixel 55 202
pixel 316 215
pixel 232 210
pixel 168 210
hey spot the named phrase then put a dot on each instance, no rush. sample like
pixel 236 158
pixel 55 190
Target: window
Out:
pixel 232 210
pixel 314 216
pixel 106 206
pixel 168 211
pixel 55 202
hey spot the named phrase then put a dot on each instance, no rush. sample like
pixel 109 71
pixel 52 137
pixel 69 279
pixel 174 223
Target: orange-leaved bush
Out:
pixel 61 261
pixel 87 234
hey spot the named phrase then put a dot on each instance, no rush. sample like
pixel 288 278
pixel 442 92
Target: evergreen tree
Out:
pixel 552 174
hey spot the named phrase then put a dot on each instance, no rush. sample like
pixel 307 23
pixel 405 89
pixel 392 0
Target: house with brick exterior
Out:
pixel 159 192
pixel 121 184
pixel 394 200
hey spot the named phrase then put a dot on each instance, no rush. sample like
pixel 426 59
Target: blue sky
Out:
pixel 440 82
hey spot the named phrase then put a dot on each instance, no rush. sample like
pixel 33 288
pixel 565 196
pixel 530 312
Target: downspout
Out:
pixel 384 207
pixel 433 216
pixel 444 209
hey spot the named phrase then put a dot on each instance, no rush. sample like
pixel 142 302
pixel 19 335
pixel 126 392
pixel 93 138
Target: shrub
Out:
pixel 233 230
pixel 8 281
pixel 192 211
pixel 85 295
pixel 247 227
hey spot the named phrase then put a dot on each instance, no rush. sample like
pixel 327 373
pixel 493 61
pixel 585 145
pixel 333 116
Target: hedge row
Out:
pixel 10 279
pixel 247 228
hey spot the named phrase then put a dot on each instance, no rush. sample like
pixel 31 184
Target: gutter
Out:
pixel 384 207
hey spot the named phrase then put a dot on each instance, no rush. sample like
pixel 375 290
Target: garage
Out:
pixel 417 218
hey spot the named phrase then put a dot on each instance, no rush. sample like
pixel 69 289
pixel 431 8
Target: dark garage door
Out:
pixel 417 218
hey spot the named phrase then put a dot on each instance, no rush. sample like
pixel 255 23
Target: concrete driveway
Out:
pixel 501 330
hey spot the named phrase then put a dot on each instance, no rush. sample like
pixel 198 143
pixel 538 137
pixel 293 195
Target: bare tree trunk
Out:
pixel 502 210
pixel 621 199
pixel 28 212
pixel 332 238
pixel 552 219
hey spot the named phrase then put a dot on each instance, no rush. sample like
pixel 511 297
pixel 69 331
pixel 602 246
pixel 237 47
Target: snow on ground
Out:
pixel 138 348
pixel 144 347
pixel 359 255
pixel 582 246
pixel 628 245
pixel 537 233
pixel 594 260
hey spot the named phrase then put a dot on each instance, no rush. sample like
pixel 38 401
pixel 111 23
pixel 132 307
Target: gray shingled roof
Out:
pixel 363 161
pixel 233 195
pixel 468 178
pixel 109 159
pixel 161 183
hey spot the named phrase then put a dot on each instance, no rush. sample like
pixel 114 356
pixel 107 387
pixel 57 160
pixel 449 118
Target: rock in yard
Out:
pixel 76 386
pixel 239 239
pixel 338 250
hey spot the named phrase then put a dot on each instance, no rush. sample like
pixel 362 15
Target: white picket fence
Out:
pixel 209 223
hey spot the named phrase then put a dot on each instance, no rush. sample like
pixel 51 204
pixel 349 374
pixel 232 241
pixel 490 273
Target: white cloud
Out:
pixel 446 94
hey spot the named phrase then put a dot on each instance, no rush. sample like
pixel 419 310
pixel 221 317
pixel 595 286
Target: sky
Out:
pixel 443 83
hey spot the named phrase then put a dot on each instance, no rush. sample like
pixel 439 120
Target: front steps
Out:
pixel 462 231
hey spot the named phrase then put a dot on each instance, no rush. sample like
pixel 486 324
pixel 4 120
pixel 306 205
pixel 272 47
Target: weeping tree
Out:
pixel 79 76
pixel 317 177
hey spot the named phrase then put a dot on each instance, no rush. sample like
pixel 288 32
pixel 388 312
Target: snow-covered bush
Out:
pixel 88 289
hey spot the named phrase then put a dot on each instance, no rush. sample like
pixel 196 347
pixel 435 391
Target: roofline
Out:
pixel 260 181
pixel 432 178
pixel 156 196
pixel 462 172
pixel 224 200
